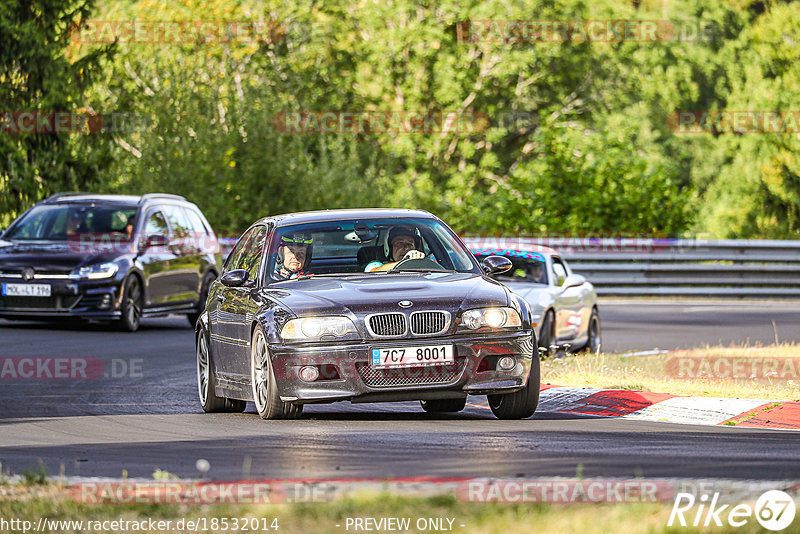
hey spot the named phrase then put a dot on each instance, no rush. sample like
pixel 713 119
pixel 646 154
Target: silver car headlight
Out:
pixel 311 328
pixel 492 317
pixel 97 271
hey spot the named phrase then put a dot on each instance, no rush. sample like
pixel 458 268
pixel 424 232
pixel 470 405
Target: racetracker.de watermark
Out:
pixel 577 31
pixel 381 122
pixel 71 122
pixel 193 492
pixel 68 368
pixel 736 368
pixel 735 121
pixel 565 491
pixel 600 243
pixel 172 32
pixel 152 243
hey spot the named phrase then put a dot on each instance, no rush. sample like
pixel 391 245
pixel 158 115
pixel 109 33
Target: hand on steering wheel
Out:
pixel 413 255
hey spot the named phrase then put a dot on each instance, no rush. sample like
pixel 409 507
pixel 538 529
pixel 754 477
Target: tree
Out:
pixel 36 76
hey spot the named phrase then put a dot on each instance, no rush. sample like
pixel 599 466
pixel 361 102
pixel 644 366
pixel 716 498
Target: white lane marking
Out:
pixel 696 410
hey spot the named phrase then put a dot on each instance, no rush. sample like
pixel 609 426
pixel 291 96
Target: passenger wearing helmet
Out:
pixel 535 271
pixel 294 254
pixel 403 243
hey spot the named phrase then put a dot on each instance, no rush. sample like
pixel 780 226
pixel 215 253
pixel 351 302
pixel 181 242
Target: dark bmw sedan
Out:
pixel 363 306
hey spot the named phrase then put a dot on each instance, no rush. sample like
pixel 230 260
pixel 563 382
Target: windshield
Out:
pixel 375 246
pixel 526 266
pixel 67 221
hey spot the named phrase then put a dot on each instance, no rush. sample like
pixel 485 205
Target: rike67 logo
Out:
pixel 774 510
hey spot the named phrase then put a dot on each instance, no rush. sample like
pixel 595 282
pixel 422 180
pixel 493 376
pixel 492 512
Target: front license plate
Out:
pixel 26 290
pixel 412 356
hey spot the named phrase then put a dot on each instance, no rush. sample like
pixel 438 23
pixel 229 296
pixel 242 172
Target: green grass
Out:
pixel 650 373
pixel 47 502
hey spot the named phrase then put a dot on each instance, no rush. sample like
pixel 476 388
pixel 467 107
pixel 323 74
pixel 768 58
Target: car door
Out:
pixel 240 299
pixel 587 300
pixel 568 303
pixel 187 266
pixel 222 319
pixel 156 261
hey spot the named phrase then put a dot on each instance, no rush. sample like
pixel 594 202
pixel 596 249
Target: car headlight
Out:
pixel 310 328
pixel 97 271
pixel 491 317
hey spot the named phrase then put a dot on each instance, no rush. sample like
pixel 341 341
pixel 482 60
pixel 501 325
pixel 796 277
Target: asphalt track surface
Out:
pixel 145 415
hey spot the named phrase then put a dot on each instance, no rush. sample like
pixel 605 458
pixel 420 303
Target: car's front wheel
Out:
pixel 522 403
pixel 262 377
pixel 443 405
pixel 547 335
pixel 207 381
pixel 131 309
pixel 595 339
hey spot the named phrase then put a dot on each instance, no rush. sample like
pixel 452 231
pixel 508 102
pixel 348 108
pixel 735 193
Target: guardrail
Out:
pixel 676 267
pixel 669 267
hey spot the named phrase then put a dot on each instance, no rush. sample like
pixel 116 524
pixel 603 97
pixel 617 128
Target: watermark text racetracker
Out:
pixel 68 368
pixel 267 491
pixel 173 32
pixel 381 122
pixel 565 491
pixel 733 367
pixel 735 122
pixel 19 122
pixel 122 243
pixel 575 31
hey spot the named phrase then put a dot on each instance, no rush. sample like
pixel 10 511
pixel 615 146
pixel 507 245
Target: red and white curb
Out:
pixel 645 406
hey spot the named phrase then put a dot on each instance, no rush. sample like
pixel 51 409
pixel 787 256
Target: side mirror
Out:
pixel 237 278
pixel 573 280
pixel 496 264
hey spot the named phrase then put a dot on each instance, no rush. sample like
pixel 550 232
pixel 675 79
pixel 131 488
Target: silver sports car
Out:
pixel 563 304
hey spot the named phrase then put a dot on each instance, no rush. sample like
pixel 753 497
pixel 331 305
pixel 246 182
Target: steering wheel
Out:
pixel 420 264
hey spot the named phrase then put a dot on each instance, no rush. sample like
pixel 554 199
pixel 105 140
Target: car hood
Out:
pixel 49 256
pixel 372 293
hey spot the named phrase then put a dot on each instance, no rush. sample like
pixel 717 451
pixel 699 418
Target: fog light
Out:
pixel 105 302
pixel 505 363
pixel 309 374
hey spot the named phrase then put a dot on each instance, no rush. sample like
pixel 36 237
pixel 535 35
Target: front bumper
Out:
pixel 346 372
pixel 86 299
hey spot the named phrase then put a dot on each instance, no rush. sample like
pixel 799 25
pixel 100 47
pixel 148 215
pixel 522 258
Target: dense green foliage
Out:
pixel 36 76
pixel 575 137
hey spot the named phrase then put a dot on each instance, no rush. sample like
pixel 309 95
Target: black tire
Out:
pixel 201 303
pixel 443 405
pixel 262 379
pixel 131 308
pixel 547 335
pixel 522 403
pixel 207 380
pixel 595 341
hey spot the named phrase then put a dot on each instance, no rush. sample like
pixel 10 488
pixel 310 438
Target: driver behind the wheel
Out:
pixel 294 254
pixel 403 243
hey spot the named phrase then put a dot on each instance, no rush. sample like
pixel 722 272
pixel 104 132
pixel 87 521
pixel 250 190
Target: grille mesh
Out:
pixel 410 376
pixel 38 303
pixel 388 324
pixel 426 323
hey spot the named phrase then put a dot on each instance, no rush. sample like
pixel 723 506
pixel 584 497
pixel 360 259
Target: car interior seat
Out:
pixel 370 253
